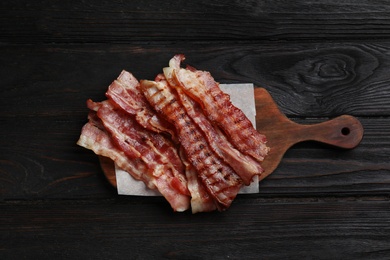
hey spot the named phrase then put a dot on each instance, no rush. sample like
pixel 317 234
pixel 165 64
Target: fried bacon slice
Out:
pixel 201 201
pixel 126 94
pixel 95 137
pixel 219 179
pixel 156 151
pixel 146 161
pixel 245 166
pixel 201 87
pixel 219 148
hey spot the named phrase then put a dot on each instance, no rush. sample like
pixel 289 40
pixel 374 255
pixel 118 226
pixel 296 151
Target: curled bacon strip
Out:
pixel 220 149
pixel 146 156
pixel 201 201
pixel 219 178
pixel 201 86
pixel 126 94
pixel 156 151
pixel 245 166
pixel 94 137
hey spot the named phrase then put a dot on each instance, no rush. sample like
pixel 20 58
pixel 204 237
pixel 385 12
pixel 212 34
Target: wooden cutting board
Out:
pixel 344 131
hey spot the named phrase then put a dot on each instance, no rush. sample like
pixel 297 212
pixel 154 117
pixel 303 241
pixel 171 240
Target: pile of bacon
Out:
pixel 179 134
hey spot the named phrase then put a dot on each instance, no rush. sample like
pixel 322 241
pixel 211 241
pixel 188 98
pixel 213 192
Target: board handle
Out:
pixel 344 131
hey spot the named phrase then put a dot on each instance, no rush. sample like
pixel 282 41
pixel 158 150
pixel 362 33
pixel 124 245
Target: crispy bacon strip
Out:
pixel 201 201
pixel 94 137
pixel 168 181
pixel 201 86
pixel 156 151
pixel 245 166
pixel 221 150
pixel 125 93
pixel 219 178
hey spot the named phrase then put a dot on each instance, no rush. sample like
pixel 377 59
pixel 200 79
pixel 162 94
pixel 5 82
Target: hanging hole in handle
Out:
pixel 345 131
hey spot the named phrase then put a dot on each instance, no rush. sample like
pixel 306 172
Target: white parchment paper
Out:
pixel 242 96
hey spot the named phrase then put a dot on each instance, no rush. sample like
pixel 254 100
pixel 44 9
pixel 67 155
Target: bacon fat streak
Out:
pixel 201 86
pixel 219 178
pixel 168 179
pixel 179 134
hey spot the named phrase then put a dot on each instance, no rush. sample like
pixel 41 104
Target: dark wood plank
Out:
pixel 24 21
pixel 252 228
pixel 306 80
pixel 44 88
pixel 48 164
pixel 318 60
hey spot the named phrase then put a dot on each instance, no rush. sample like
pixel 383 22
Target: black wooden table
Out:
pixel 317 59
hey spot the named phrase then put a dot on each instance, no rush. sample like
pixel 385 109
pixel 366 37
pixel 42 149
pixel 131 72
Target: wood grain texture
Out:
pixel 282 133
pixel 318 59
pixel 272 230
pixel 306 80
pixel 50 84
pixel 149 20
